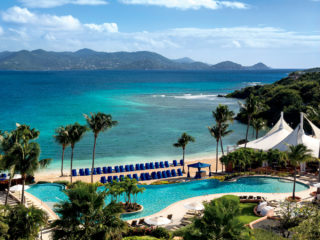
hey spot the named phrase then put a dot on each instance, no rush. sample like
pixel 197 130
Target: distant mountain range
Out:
pixel 86 59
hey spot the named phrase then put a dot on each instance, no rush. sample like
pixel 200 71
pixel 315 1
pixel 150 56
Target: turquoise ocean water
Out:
pixel 153 109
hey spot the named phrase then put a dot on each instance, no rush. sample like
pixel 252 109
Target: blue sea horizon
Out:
pixel 153 109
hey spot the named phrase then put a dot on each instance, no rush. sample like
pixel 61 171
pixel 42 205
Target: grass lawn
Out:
pixel 246 213
pixel 261 234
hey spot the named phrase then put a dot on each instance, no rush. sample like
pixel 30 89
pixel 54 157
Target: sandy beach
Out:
pixel 54 175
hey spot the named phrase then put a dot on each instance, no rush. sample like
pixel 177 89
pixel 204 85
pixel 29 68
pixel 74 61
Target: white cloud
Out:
pixel 105 27
pixel 46 22
pixel 189 4
pixel 24 16
pixel 57 3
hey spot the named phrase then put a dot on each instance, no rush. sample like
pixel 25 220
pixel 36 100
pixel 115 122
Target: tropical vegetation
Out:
pixel 292 95
pixel 21 223
pixel 182 143
pixel 62 138
pixel 98 122
pixel 85 215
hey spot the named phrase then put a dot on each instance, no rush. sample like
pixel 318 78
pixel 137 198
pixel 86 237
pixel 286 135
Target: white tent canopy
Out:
pixel 298 136
pixel 279 132
pixel 157 221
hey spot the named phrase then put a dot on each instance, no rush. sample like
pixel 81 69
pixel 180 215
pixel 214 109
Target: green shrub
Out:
pixel 140 238
pixel 43 182
pixel 62 182
pixel 160 232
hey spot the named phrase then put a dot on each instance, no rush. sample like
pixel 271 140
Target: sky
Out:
pixel 279 33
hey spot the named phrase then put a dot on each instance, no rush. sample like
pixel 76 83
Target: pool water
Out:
pixel 157 197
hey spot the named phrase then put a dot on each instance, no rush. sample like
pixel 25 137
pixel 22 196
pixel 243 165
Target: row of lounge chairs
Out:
pixel 251 199
pixel 144 176
pixel 126 168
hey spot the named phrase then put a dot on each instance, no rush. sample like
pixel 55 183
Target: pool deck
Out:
pixel 178 210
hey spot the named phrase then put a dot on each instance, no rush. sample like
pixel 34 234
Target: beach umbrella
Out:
pixel 156 221
pixel 18 188
pixel 198 206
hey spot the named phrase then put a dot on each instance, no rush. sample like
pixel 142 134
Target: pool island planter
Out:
pixel 297 199
pixel 133 212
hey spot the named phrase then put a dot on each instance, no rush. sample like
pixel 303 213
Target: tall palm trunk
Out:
pixel 217 155
pixel 63 148
pixel 221 144
pixel 249 120
pixel 183 153
pixel 23 183
pixel 319 172
pixel 93 155
pixel 257 133
pixel 71 161
pixel 9 185
pixel 294 184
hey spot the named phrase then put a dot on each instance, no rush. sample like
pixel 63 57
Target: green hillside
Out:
pixel 291 95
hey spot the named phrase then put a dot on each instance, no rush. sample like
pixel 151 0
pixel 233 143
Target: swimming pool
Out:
pixel 158 197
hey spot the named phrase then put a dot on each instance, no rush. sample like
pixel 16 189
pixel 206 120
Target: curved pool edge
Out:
pixel 177 207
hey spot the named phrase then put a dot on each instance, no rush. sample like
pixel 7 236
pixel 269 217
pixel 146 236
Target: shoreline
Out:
pixel 54 175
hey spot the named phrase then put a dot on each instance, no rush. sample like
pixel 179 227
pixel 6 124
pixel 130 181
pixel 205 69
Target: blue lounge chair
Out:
pixel 99 170
pixel 164 175
pixel 127 168
pixel 181 162
pixel 180 172
pixel 121 168
pixel 154 175
pixel 81 172
pixel 109 169
pixel 109 179
pixel 131 167
pixel 135 176
pixel 94 171
pixel 121 178
pixel 151 165
pixel 148 177
pixel 105 170
pixel 103 180
pixel 3 175
pixel 174 163
pixel 173 173
pixel 74 172
pixel 157 165
pixel 159 175
pixel 142 177
pixel 116 169
pixel 166 164
pixel 142 166
pixel 129 176
pixel 147 165
pixel 161 165
pixel 87 172
pixel 168 173
pixel 115 178
pixel 137 167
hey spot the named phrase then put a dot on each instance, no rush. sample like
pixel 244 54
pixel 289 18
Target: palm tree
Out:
pixel 215 132
pixel 62 138
pixel 252 107
pixel 75 133
pixel 296 155
pixel 21 135
pixel 183 142
pixel 222 115
pixel 27 160
pixel 98 122
pixel 219 221
pixel 25 223
pixel 258 124
pixel 85 215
